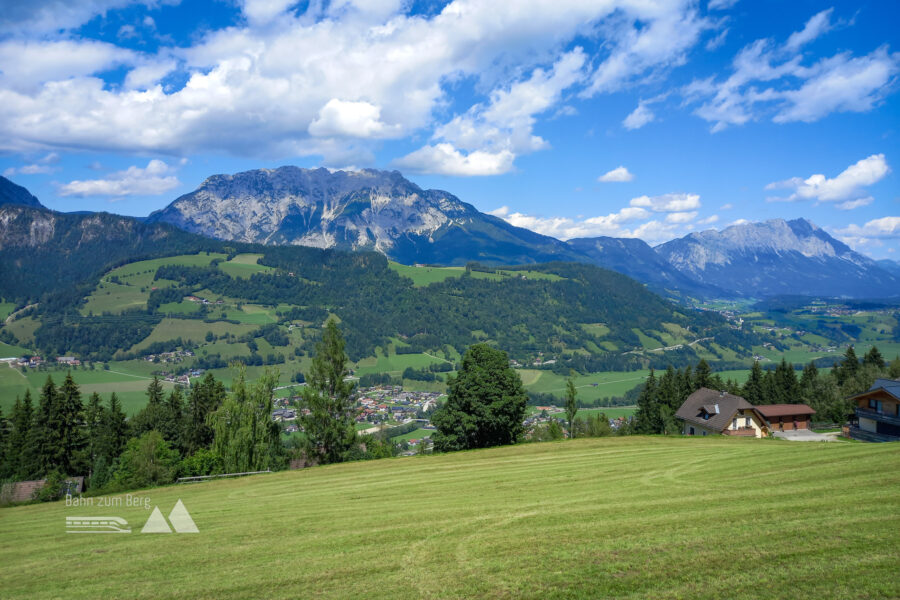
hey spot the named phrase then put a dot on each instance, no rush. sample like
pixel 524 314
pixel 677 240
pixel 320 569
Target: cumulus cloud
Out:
pixel 332 79
pixel 49 16
pixel 708 220
pixel 619 174
pixel 846 187
pixel 352 119
pixel 565 228
pixel 668 202
pixel 681 217
pixel 154 179
pixel 871 233
pixel 444 159
pixel 770 79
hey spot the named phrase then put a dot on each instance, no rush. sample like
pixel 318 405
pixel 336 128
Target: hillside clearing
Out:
pixel 616 517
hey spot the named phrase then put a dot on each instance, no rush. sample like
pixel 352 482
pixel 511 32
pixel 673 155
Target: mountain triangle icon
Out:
pixel 181 520
pixel 156 523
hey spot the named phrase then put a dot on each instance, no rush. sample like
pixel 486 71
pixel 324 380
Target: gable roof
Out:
pixel 783 410
pixel 706 401
pixel 890 386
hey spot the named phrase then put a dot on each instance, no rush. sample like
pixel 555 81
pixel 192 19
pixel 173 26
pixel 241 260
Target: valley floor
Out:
pixel 628 517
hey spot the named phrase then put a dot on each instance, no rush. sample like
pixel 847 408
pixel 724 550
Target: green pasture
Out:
pixel 663 518
pixel 609 383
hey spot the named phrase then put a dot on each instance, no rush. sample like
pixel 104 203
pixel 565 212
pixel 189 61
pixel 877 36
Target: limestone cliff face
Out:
pixel 353 210
pixel 778 257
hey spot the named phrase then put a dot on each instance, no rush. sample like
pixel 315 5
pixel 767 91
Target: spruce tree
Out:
pixel 571 405
pixel 753 387
pixel 245 437
pixel 94 421
pixel 329 425
pixel 71 436
pixel 205 398
pixel 115 430
pixel 44 436
pixel 848 367
pixel 873 357
pixel 22 455
pixel 647 416
pixel 786 380
pixel 703 377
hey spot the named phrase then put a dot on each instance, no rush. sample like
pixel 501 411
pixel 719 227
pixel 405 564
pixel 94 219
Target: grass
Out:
pixel 609 384
pixel 244 265
pixel 423 276
pixel 416 434
pixel 612 412
pixel 190 329
pixel 6 309
pixel 130 387
pixel 617 517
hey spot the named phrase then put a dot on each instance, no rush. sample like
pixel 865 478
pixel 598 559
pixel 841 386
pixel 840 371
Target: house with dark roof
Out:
pixel 877 413
pixel 711 412
pixel 786 417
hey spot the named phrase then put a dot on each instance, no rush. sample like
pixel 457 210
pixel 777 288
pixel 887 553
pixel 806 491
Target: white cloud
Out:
pixel 681 217
pixel 29 170
pixel 351 119
pixel 708 220
pixel 50 16
pixel 639 117
pixel 565 228
pixel 619 174
pixel 156 178
pixel 848 185
pixel 641 45
pixel 718 40
pixel 721 4
pixel 816 26
pixel 858 203
pixel 841 84
pixel 668 202
pixel 444 159
pixel 728 206
pixel 263 87
pixel 771 79
pixel 870 234
pixel 28 64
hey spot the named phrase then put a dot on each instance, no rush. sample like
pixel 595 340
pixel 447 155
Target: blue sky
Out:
pixel 574 118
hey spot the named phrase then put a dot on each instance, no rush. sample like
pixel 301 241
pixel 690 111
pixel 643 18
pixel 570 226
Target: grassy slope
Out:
pixel 633 518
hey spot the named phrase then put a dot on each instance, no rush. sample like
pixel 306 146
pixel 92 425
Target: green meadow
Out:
pixel 615 517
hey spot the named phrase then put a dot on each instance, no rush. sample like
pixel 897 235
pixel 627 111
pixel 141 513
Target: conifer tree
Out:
pixel 115 430
pixel 571 405
pixel 329 426
pixel 205 398
pixel 873 357
pixel 753 387
pixel 647 417
pixel 71 433
pixel 848 367
pixel 703 377
pixel 94 419
pixel 21 454
pixel 44 438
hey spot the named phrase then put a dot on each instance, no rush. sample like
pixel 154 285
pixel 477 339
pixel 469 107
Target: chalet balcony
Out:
pixel 868 436
pixel 742 432
pixel 877 416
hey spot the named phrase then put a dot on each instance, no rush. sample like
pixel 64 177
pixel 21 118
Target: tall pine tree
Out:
pixel 69 459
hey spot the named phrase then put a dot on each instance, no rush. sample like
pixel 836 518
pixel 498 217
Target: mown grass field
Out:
pixel 616 517
pixel 608 384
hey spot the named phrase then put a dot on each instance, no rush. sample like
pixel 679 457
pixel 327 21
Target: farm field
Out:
pixel 612 412
pixel 610 383
pixel 616 517
pixel 131 388
pixel 423 276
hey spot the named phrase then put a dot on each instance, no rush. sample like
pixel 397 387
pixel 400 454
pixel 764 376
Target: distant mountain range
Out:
pixel 383 211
